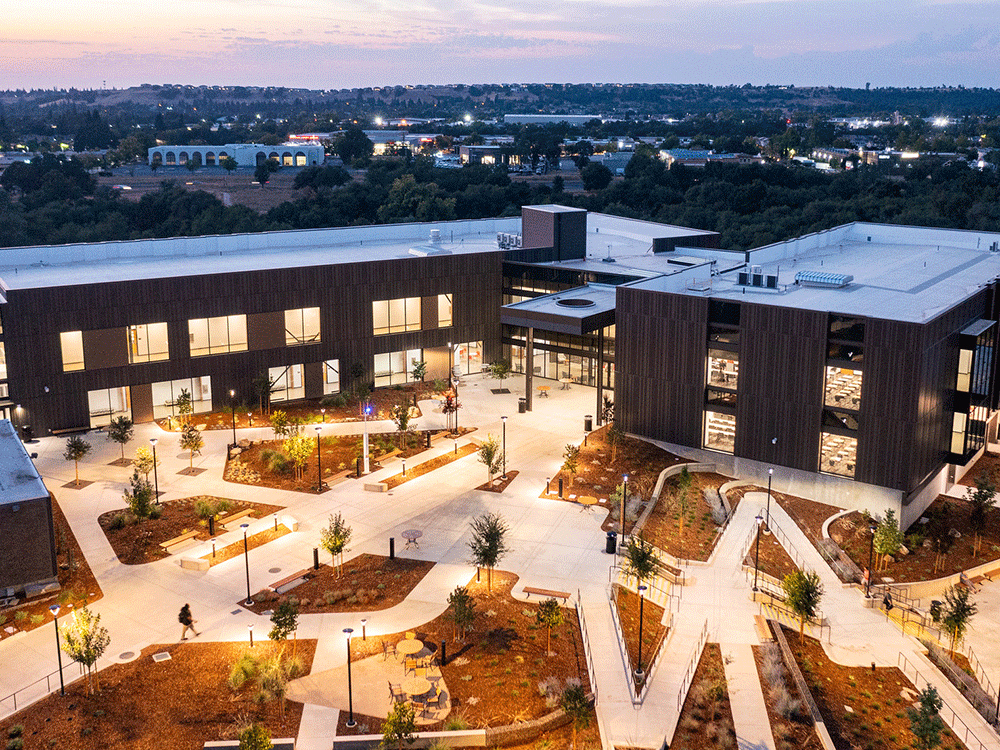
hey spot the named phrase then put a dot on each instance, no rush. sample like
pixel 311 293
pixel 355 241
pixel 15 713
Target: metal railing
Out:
pixel 588 654
pixel 692 666
pixel 34 691
pixel 660 586
pixel 981 678
pixel 955 722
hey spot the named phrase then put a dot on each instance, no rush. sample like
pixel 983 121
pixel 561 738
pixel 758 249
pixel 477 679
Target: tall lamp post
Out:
pixel 319 461
pixel 232 405
pixel 504 428
pixel 366 410
pixel 350 696
pixel 872 528
pixel 246 558
pixel 156 480
pixel 767 524
pixel 54 609
pixel 756 562
pixel 639 673
pixel 624 495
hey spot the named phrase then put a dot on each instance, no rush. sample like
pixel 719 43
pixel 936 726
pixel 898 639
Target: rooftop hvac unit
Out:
pixel 743 278
pixel 995 247
pixel 435 236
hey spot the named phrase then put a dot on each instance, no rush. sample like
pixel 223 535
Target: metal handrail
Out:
pixel 588 653
pixel 51 685
pixel 692 666
pixel 980 674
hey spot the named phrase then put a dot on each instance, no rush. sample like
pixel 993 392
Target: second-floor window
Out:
pixel 396 315
pixel 218 335
pixel 302 326
pixel 147 343
pixel 71 343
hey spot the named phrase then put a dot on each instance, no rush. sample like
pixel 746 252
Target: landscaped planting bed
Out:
pixel 851 533
pixel 807 514
pixel 412 472
pixel 500 673
pixel 367 583
pixel 774 560
pixel 653 630
pixel 700 532
pixel 179 703
pixel 135 543
pixel 78 584
pixel 988 463
pixel 706 719
pixel 791 725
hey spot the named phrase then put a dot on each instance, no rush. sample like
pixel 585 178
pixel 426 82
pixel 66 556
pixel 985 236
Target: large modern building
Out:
pixel 245 154
pixel 858 363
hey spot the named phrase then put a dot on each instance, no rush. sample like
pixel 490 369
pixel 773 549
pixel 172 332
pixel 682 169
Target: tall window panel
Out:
pixel 396 315
pixel 217 335
pixel 331 376
pixel 147 343
pixel 302 326
pixel 444 311
pixel 166 393
pixel 107 404
pixel 393 368
pixel 71 343
pixel 288 383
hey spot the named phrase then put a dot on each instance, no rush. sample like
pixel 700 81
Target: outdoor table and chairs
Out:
pixel 416 686
pixel 411 536
pixel 409 647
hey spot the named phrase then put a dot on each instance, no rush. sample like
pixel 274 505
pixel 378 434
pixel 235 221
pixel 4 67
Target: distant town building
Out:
pixel 245 154
pixel 695 158
pixel 550 119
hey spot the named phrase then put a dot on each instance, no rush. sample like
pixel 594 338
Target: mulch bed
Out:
pixel 774 560
pixel 807 514
pixel 412 472
pixel 791 725
pixel 499 484
pixel 851 533
pixel 79 586
pixel 493 676
pixel 368 583
pixel 237 548
pixel 140 543
pixel 700 535
pixel 627 603
pixel 179 703
pixel 877 719
pixel 704 722
pixel 988 463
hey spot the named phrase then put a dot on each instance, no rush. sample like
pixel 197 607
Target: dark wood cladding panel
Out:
pixel 782 359
pixel 105 347
pixel 660 357
pixel 267 330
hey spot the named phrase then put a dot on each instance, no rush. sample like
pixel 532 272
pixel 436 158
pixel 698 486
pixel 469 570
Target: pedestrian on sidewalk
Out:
pixel 187 621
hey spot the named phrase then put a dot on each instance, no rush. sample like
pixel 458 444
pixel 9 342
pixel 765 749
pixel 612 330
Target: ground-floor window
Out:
pixel 394 368
pixel 331 376
pixel 288 383
pixel 838 454
pixel 166 393
pixel 469 357
pixel 107 404
pixel 576 368
pixel 720 431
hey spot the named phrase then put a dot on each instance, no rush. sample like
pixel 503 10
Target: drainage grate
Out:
pixel 274 570
pixel 126 655
pixel 162 656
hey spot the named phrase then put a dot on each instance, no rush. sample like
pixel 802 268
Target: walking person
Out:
pixel 187 621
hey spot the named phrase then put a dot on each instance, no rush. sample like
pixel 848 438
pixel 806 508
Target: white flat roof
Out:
pixel 19 480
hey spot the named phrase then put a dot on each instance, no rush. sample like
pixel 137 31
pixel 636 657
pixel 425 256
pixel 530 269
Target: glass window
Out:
pixel 288 383
pixel 4 390
pixel 723 368
pixel 302 326
pixel 837 454
pixel 380 317
pixel 72 350
pixel 444 310
pixel 720 311
pixel 396 315
pixel 331 376
pixel 843 388
pixel 720 431
pixel 166 393
pixel 719 397
pixel 718 334
pixel 107 404
pixel 217 335
pixel 846 328
pixel 964 370
pixel 841 420
pixel 147 343
pixel 3 362
pixel 393 368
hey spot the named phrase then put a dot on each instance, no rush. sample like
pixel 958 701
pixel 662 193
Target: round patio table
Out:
pixel 409 646
pixel 411 536
pixel 416 686
pixel 587 500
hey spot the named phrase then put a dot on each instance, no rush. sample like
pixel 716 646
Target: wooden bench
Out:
pixel 529 590
pixel 71 431
pixel 763 631
pixel 288 579
pixel 235 517
pixel 178 539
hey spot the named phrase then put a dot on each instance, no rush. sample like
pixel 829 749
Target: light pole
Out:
pixel 767 525
pixel 54 609
pixel 250 628
pixel 639 674
pixel 366 410
pixel 624 495
pixel 504 420
pixel 232 405
pixel 250 418
pixel 404 466
pixel 871 554
pixel 246 558
pixel 322 414
pixel 756 562
pixel 364 624
pixel 350 697
pixel 319 461
pixel 156 480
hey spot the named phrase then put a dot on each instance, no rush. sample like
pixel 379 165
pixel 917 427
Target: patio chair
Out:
pixel 420 671
pixel 398 696
pixel 409 663
pixel 435 699
pixel 385 650
pixel 410 635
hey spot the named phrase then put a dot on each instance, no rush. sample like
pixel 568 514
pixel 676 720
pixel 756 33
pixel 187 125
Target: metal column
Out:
pixel 600 376
pixel 529 366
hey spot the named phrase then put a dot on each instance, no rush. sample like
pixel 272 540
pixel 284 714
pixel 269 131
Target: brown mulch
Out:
pixel 878 718
pixel 79 586
pixel 807 514
pixel 180 703
pixel 774 560
pixel 493 675
pixel 367 583
pixel 412 472
pixel 704 723
pixel 237 548
pixel 499 484
pixel 988 463
pixel 653 631
pixel 791 729
pixel 700 534
pixel 139 543
pixel 851 533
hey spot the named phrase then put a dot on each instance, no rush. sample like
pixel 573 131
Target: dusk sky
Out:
pixel 337 44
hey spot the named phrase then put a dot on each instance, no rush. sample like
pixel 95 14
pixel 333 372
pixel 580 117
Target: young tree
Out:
pixel 144 461
pixel 888 537
pixel 272 681
pixel 803 592
pixel 608 411
pixel 184 406
pixel 299 449
pixel 419 370
pixel 577 706
pixel 641 560
pixel 925 721
pixel 549 614
pixel 121 430
pixel 499 370
pixel 255 737
pixel 76 449
pixel 980 500
pixel 262 385
pixel 400 415
pixel 280 424
pixel 957 611
pixel 398 727
pixel 449 407
pixel 285 622
pixel 139 496
pixel 571 461
pixel 191 441
pixel 684 482
pixel 488 543
pixel 334 539
pixel 229 164
pixel 262 174
pixel 462 611
pixel 615 435
pixel 491 456
pixel 85 639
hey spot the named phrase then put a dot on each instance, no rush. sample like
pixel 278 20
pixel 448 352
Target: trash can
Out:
pixel 522 405
pixel 27 433
pixel 588 423
pixel 611 543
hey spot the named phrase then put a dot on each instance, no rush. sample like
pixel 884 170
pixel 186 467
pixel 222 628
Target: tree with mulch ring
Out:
pixel 499 484
pixel 177 703
pixel 791 725
pixel 367 583
pixel 706 719
pixel 136 542
pixel 653 630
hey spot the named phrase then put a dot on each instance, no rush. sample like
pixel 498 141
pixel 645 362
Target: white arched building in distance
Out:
pixel 245 154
